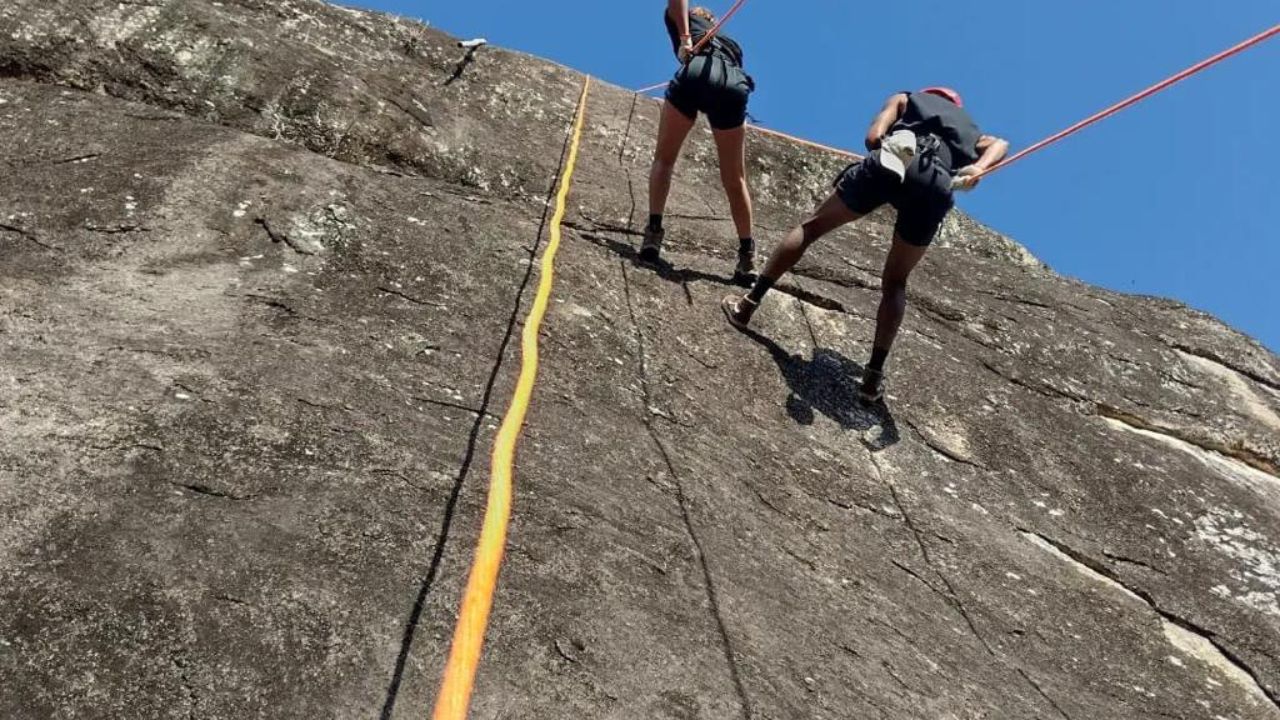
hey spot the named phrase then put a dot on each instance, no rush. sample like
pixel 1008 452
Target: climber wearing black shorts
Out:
pixel 713 83
pixel 922 145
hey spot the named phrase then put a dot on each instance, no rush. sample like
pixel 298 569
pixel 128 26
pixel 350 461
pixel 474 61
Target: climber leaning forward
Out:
pixel 713 83
pixel 922 145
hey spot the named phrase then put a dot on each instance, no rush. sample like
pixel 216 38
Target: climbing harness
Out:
pixel 473 620
pixel 1056 137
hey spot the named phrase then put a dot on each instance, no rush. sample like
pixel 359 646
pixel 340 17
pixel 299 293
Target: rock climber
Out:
pixel 922 146
pixel 714 83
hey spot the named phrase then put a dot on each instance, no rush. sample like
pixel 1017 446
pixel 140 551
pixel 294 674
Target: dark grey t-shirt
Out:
pixel 958 135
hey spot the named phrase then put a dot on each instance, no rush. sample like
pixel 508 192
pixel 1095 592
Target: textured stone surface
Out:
pixel 261 264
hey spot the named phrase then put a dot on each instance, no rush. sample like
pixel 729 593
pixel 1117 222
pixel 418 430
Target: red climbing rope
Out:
pixel 703 42
pixel 1097 117
pixel 716 28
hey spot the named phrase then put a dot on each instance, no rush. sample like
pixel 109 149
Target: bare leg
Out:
pixel 898 265
pixel 731 147
pixel 673 128
pixel 831 214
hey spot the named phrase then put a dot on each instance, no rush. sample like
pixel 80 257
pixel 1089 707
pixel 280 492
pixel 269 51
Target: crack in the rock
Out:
pixel 202 489
pixel 850 504
pixel 942 450
pixel 950 596
pixel 77 159
pixel 1040 389
pixel 683 502
pixel 455 406
pixel 30 237
pixel 1149 600
pixel 1013 299
pixel 422 117
pixel 464 468
pixel 273 303
pixel 631 191
pixel 1043 694
pixel 1212 356
pixel 1130 561
pixel 277 237
pixel 1235 452
pixel 117 229
pixel 405 296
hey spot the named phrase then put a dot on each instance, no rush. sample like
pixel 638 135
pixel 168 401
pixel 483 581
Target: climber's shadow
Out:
pixel 827 383
pixel 662 268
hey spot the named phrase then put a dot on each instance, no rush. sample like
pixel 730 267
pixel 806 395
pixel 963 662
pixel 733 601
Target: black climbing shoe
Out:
pixel 738 310
pixel 871 391
pixel 745 272
pixel 652 244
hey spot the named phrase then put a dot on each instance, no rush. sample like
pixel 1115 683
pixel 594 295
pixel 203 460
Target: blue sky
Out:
pixel 1173 197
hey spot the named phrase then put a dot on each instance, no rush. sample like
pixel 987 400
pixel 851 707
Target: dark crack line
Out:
pixel 405 296
pixel 423 119
pixel 281 238
pixel 631 215
pixel 1235 452
pixel 1130 561
pixel 951 597
pixel 464 469
pixel 202 489
pixel 682 500
pixel 943 451
pixel 1044 390
pixel 1214 357
pixel 1043 694
pixel 804 313
pixel 76 159
pixel 31 237
pixel 1146 597
pixel 455 406
pixel 119 229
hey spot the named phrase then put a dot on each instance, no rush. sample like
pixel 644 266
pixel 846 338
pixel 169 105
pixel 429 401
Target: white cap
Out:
pixel 897 151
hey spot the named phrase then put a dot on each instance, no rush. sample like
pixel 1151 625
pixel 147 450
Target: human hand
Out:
pixel 967 178
pixel 685 53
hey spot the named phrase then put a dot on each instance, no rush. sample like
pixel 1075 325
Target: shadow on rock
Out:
pixel 662 268
pixel 827 384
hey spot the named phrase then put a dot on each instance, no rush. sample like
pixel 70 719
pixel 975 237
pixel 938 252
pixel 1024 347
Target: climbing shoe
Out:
pixel 738 310
pixel 744 273
pixel 871 391
pixel 651 246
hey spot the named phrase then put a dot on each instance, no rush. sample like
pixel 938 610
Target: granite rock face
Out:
pixel 262 264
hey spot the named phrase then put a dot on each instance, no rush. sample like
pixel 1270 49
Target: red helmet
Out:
pixel 945 92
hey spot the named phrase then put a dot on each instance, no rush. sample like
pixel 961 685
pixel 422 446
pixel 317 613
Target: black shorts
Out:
pixel 710 85
pixel 923 199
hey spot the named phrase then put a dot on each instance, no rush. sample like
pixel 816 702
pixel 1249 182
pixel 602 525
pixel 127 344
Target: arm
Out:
pixel 678 12
pixel 992 150
pixel 889 114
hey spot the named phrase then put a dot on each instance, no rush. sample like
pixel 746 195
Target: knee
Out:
pixel 663 166
pixel 733 178
pixel 894 289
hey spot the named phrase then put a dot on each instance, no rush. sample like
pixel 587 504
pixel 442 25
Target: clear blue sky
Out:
pixel 1177 196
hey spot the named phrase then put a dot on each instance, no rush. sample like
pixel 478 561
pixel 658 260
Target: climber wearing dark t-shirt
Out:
pixel 714 83
pixel 922 145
